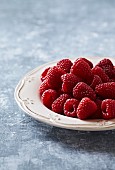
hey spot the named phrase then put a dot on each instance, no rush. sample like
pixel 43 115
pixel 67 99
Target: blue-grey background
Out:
pixel 33 32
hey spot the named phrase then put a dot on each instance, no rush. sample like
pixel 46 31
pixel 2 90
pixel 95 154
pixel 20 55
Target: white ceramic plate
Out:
pixel 28 99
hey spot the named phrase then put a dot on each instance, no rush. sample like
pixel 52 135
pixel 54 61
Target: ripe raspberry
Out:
pixel 113 74
pixel 54 77
pixel 105 62
pixel 48 97
pixel 44 74
pixel 58 104
pixel 59 91
pixel 44 86
pixel 112 80
pixel 83 90
pixel 82 70
pixel 108 109
pixel 86 60
pixel 65 65
pixel 96 80
pixel 98 113
pixel 109 72
pixel 70 107
pixel 106 90
pixel 100 72
pixel 107 66
pixel 69 81
pixel 86 108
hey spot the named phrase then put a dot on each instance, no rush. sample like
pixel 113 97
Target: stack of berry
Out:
pixel 80 90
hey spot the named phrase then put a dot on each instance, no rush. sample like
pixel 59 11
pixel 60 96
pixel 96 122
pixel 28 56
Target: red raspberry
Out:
pixel 54 77
pixel 86 60
pixel 107 66
pixel 98 113
pixel 44 86
pixel 69 81
pixel 113 74
pixel 100 72
pixel 108 109
pixel 48 97
pixel 96 80
pixel 44 74
pixel 112 80
pixel 83 90
pixel 82 70
pixel 86 108
pixel 59 91
pixel 106 90
pixel 109 72
pixel 104 63
pixel 65 65
pixel 58 104
pixel 70 107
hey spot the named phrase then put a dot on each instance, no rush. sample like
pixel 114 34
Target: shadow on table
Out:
pixel 97 141
pixel 103 141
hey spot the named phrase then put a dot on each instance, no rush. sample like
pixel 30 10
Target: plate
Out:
pixel 27 97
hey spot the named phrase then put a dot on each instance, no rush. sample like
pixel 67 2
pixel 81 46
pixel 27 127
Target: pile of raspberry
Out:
pixel 80 90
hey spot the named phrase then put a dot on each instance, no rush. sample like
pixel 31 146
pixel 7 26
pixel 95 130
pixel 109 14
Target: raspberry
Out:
pixel 96 80
pixel 108 108
pixel 86 108
pixel 59 91
pixel 54 77
pixel 48 97
pixel 109 72
pixel 100 72
pixel 105 62
pixel 44 86
pixel 82 70
pixel 44 74
pixel 86 60
pixel 83 90
pixel 112 80
pixel 70 107
pixel 113 74
pixel 98 113
pixel 107 66
pixel 106 90
pixel 65 65
pixel 58 104
pixel 69 81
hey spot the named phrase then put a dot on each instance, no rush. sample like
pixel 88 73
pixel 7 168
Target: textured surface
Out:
pixel 33 32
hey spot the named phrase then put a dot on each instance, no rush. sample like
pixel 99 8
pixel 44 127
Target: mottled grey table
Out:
pixel 33 32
